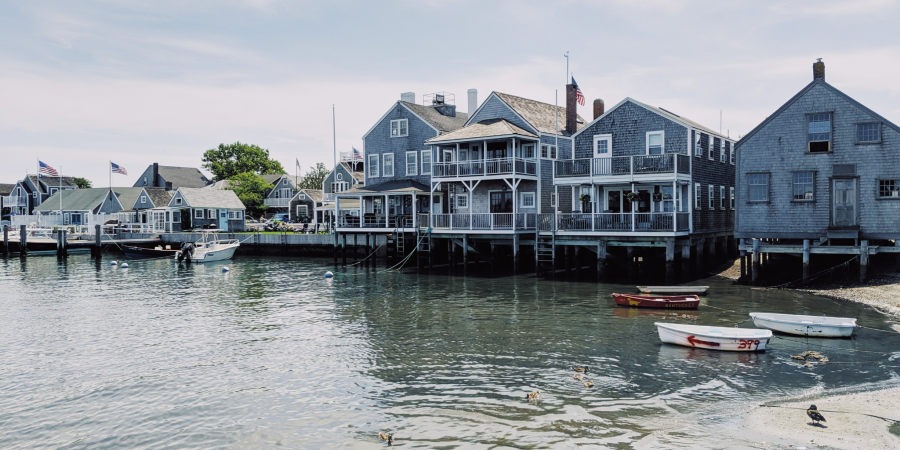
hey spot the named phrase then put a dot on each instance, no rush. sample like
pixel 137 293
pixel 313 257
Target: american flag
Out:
pixel 356 154
pixel 579 97
pixel 46 170
pixel 297 160
pixel 117 168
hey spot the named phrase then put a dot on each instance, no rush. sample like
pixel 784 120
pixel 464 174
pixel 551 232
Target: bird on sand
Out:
pixel 533 395
pixel 389 437
pixel 815 415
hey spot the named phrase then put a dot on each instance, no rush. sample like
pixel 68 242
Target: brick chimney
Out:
pixel 599 107
pixel 819 69
pixel 571 111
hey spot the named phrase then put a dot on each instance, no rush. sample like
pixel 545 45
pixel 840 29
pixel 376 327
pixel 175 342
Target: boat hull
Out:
pixel 146 253
pixel 813 326
pixel 715 338
pixel 683 290
pixel 657 301
pixel 213 255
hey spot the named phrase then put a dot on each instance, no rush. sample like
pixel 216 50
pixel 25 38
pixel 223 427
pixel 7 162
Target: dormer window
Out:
pixel 399 128
pixel 819 132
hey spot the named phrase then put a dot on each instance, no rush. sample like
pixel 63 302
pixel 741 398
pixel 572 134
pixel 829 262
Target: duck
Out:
pixel 389 437
pixel 579 376
pixel 588 383
pixel 533 395
pixel 798 357
pixel 580 369
pixel 815 415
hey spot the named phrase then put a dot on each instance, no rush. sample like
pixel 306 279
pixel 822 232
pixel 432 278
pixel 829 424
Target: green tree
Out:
pixel 228 161
pixel 82 183
pixel 314 177
pixel 251 189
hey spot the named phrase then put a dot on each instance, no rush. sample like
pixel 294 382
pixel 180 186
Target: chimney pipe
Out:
pixel 473 101
pixel 819 69
pixel 571 112
pixel 408 97
pixel 155 182
pixel 599 107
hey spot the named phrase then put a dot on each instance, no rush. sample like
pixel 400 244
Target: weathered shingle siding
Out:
pixel 346 176
pixel 379 141
pixel 711 172
pixel 310 207
pixel 629 124
pixel 564 151
pixel 146 204
pixel 494 108
pixel 780 148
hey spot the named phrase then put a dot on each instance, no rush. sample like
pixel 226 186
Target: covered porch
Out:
pixel 386 206
pixel 489 149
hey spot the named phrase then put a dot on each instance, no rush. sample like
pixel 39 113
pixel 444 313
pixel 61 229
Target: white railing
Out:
pixel 14 201
pixel 622 165
pixel 480 167
pixel 328 197
pixel 277 202
pixel 636 222
pixel 377 221
pixel 484 221
pixel 49 220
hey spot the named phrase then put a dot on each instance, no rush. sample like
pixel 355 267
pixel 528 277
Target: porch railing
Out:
pixel 328 197
pixel 480 167
pixel 484 221
pixel 11 201
pixel 637 222
pixel 622 165
pixel 378 221
pixel 277 202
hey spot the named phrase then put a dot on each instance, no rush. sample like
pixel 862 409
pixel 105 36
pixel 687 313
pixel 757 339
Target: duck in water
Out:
pixel 389 437
pixel 815 415
pixel 533 395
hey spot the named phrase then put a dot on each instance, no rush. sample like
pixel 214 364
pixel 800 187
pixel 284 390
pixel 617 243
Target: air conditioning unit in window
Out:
pixel 895 193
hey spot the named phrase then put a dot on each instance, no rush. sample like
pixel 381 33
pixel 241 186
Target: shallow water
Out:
pixel 273 354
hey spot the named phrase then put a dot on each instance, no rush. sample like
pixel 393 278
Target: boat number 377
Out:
pixel 748 344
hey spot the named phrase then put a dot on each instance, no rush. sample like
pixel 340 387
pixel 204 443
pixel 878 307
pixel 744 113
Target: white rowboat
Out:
pixel 820 326
pixel 686 290
pixel 714 338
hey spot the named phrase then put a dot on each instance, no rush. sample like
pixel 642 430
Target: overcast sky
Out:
pixel 85 82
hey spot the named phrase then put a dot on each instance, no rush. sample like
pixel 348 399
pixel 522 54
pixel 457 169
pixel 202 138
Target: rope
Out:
pixel 370 255
pixel 817 274
pixel 403 262
pixel 878 329
pixel 838 412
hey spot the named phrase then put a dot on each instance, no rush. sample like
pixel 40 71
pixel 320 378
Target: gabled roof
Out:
pixel 75 199
pixel 211 198
pixel 271 178
pixel 396 186
pixel 542 116
pixel 800 94
pixel 6 189
pixel 359 175
pixel 314 194
pixel 221 184
pixel 180 177
pixel 51 182
pixel 491 128
pixel 667 114
pixel 128 196
pixel 159 196
pixel 427 114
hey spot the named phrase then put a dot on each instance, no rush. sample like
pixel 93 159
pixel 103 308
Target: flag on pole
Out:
pixel 579 97
pixel 298 163
pixel 117 168
pixel 357 154
pixel 46 170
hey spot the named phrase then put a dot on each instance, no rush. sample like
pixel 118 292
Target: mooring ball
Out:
pixel 124 265
pixel 225 269
pixel 329 275
pixel 112 263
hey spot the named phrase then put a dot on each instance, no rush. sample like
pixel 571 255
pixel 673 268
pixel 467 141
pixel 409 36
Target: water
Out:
pixel 272 354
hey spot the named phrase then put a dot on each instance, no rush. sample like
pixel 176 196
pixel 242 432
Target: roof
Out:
pixel 189 177
pixel 159 196
pixel 6 189
pixel 393 186
pixel 211 198
pixel 128 195
pixel 271 178
pixel 665 113
pixel 359 175
pixel 434 118
pixel 75 199
pixel 314 194
pixel 221 184
pixel 484 129
pixel 804 91
pixel 542 116
pixel 52 181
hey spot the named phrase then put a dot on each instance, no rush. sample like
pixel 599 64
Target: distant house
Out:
pixel 207 208
pixel 172 177
pixel 34 190
pixel 345 175
pixel 278 198
pixel 148 200
pixel 306 207
pixel 80 206
pixel 7 201
pixel 819 175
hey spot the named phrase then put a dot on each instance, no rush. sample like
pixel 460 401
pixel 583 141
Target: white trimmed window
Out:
pixel 143 199
pixel 712 197
pixel 527 151
pixel 210 214
pixel 758 187
pixel 712 148
pixel 527 200
pixel 412 163
pixel 802 186
pixel 399 128
pixel 731 152
pixel 731 189
pixel 340 176
pixel 721 197
pixel 66 219
pixel 302 211
pixel 548 151
pixel 198 213
pixel 722 155
pixel 462 200
pixel 888 188
pixel 177 201
pixel 388 170
pixel 655 145
pixel 553 200
pixel 698 149
pixel 373 166
pixel 426 162
pixel 697 195
pixel 602 145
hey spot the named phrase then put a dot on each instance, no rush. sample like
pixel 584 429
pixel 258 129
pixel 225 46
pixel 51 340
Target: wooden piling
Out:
pixel 335 248
pixel 515 249
pixel 601 260
pixel 742 254
pixel 699 255
pixel 344 249
pixel 863 259
pixel 96 249
pixel 805 261
pixel 686 260
pixel 23 240
pixel 670 260
pixel 368 249
pixel 756 257
pixel 465 251
pixel 6 239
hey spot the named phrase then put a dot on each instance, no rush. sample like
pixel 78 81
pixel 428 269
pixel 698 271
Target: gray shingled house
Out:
pixel 206 208
pixel 819 176
pixel 172 177
pixel 307 207
pixel 80 206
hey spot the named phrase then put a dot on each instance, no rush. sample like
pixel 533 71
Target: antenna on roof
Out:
pixel 720 121
pixel 567 66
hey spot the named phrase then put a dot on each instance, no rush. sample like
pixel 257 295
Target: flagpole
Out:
pixel 60 191
pixel 334 135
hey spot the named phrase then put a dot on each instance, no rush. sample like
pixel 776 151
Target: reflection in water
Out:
pixel 271 353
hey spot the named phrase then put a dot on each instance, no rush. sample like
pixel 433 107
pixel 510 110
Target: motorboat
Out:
pixel 209 249
pixel 819 326
pixel 714 338
pixel 657 301
pixel 683 290
pixel 145 252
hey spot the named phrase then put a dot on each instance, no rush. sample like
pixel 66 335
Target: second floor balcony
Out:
pixel 11 201
pixel 485 167
pixel 576 171
pixel 277 202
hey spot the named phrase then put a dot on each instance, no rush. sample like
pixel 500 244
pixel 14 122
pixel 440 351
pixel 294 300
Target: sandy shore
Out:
pixel 780 427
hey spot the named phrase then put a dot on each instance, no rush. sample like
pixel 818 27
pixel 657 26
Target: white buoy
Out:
pixel 124 265
pixel 112 263
pixel 329 275
pixel 225 269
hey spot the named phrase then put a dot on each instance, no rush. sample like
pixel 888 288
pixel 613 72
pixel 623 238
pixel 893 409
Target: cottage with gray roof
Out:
pixel 172 177
pixel 80 206
pixel 36 189
pixel 208 208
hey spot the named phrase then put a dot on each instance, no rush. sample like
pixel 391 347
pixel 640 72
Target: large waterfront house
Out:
pixel 819 175
pixel 196 208
pixel 172 177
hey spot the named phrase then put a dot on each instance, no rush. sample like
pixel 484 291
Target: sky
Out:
pixel 136 82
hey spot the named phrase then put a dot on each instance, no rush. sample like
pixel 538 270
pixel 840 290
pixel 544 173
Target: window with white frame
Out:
pixel 198 213
pixel 388 170
pixel 66 219
pixel 210 214
pixel 712 148
pixel 698 149
pixel 232 215
pixel 548 151
pixel 731 153
pixel 339 176
pixel 802 186
pixel 712 197
pixel 399 128
pixel 426 162
pixel 758 187
pixel 302 211
pixel 412 163
pixel 553 200
pixel 143 199
pixel 462 200
pixel 722 155
pixel 697 196
pixel 602 145
pixel 527 199
pixel 722 197
pixel 373 166
pixel 731 195
pixel 177 201
pixel 819 132
pixel 655 142
pixel 527 151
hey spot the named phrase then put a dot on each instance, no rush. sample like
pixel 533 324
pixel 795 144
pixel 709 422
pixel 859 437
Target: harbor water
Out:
pixel 272 354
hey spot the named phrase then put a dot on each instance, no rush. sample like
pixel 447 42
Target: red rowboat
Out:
pixel 658 301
